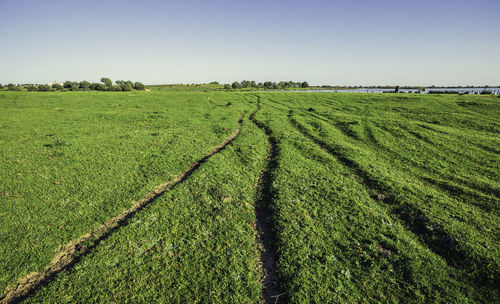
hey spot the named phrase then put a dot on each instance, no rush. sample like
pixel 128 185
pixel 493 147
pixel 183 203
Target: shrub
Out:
pixel 43 87
pixel 99 87
pixel 442 92
pixel 57 86
pixel 115 88
pixel 1 86
pixel 214 82
pixel 71 85
pixel 12 87
pixel 236 85
pixel 227 86
pixel 268 85
pixel 30 88
pixel 245 83
pixel 139 86
pixel 126 87
pixel 84 85
pixel 107 82
pixel 123 85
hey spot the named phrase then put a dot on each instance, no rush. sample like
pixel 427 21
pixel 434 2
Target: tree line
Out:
pixel 268 85
pixel 105 85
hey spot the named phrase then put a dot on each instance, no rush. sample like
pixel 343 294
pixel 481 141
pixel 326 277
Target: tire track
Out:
pixel 69 254
pixel 430 234
pixel 264 234
pixel 477 198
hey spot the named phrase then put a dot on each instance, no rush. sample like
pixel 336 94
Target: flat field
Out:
pixel 213 197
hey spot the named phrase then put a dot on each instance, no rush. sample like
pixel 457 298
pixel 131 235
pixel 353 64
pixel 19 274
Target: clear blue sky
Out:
pixel 356 42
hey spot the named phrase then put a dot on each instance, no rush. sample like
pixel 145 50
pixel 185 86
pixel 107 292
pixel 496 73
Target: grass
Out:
pixel 189 246
pixel 359 192
pixel 372 197
pixel 71 162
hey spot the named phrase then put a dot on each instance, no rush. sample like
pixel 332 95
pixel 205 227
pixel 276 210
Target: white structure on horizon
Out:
pixel 50 84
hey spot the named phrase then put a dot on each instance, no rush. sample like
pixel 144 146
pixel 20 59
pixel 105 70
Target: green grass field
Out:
pixel 390 198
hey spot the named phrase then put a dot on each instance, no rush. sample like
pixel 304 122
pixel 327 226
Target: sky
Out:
pixel 355 42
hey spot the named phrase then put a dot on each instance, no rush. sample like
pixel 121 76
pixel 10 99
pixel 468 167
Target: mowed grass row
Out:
pixel 195 244
pixel 356 225
pixel 70 161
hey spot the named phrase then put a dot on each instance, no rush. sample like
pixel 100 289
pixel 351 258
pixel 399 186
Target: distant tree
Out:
pixel 12 87
pixel 227 86
pixel 84 85
pixel 43 87
pixel 70 85
pixel 253 84
pixel 116 88
pixel 57 86
pixel 107 82
pixel 214 82
pixel 305 84
pixel 1 86
pixel 282 85
pixel 31 88
pixel 126 86
pixel 245 84
pixel 99 87
pixel 236 85
pixel 260 85
pixel 268 85
pixel 139 86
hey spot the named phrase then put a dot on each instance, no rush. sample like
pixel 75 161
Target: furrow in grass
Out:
pixel 332 239
pixel 70 253
pixel 265 237
pixel 431 234
pixel 485 202
pixel 470 182
pixel 480 197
